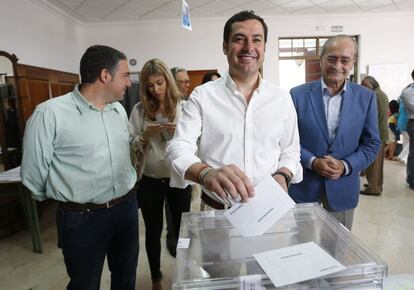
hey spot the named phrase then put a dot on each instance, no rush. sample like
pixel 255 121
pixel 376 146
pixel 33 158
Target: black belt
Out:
pixel 89 205
pixel 211 202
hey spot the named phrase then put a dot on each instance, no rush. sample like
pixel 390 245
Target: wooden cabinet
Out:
pixel 37 84
pixel 29 86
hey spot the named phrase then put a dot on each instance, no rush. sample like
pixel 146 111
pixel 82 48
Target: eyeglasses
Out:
pixel 183 81
pixel 332 59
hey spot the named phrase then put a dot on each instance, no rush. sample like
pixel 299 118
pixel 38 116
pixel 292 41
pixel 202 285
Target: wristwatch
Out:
pixel 287 177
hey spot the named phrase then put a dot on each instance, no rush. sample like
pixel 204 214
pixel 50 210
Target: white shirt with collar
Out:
pixel 219 128
pixel 332 107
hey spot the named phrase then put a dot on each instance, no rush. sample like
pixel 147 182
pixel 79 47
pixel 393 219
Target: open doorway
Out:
pixel 299 60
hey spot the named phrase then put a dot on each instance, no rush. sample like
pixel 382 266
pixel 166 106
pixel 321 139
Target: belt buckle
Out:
pixel 108 204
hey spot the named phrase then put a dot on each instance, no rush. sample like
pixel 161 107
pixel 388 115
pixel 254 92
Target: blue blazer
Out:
pixel 357 142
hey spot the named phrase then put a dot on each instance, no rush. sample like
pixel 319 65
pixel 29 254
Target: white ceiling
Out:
pixel 106 11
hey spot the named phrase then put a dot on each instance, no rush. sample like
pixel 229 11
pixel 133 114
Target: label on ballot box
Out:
pixel 251 282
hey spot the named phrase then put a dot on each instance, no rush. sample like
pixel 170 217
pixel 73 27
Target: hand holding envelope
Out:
pixel 229 183
pixel 256 216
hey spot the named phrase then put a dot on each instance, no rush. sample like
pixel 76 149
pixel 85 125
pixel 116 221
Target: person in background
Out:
pixel 76 151
pixel 152 124
pixel 402 127
pixel 338 130
pixel 210 76
pixel 408 100
pixel 394 135
pixel 375 172
pixel 182 80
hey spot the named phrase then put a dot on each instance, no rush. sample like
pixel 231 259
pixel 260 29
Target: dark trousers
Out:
pixel 171 237
pixel 375 173
pixel 151 195
pixel 410 160
pixel 87 236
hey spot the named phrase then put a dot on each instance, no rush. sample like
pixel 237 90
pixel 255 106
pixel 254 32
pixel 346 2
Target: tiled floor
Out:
pixel 384 223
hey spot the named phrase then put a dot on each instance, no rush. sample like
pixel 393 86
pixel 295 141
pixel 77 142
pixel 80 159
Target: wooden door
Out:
pixel 312 70
pixel 196 76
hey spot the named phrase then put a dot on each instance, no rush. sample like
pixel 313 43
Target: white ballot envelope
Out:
pixel 256 216
pixel 297 263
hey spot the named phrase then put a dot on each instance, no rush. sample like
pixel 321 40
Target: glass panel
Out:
pixel 297 42
pixel 285 43
pixel 299 51
pixel 321 43
pixel 285 54
pixel 310 51
pixel 310 42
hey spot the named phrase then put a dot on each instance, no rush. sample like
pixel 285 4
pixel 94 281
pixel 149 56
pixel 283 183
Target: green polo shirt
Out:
pixel 75 152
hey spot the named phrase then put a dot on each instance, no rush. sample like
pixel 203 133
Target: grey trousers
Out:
pixel 345 217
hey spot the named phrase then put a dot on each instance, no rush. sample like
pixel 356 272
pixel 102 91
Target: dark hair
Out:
pixel 95 59
pixel 240 17
pixel 207 77
pixel 393 106
pixel 329 42
pixel 412 74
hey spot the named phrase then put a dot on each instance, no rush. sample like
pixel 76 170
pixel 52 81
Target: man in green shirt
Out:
pixel 76 151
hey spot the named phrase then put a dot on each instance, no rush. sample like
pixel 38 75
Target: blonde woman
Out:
pixel 152 124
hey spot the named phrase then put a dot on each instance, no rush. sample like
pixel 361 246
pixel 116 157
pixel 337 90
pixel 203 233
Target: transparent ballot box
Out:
pixel 218 257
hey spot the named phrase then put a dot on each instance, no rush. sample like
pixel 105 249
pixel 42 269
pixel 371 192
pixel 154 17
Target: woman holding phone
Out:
pixel 152 124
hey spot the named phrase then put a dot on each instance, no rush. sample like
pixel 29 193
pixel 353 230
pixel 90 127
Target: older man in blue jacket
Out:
pixel 338 131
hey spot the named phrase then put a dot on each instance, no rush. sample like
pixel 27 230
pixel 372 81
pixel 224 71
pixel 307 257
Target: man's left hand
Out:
pixel 281 179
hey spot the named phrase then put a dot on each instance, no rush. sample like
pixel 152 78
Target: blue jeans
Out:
pixel 87 236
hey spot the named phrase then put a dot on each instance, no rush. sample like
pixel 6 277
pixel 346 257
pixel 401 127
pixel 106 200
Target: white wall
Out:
pixel 385 38
pixel 42 37
pixel 39 36
pixel 197 49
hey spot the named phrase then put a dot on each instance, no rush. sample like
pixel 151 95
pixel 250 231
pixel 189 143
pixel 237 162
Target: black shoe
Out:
pixel 370 193
pixel 172 250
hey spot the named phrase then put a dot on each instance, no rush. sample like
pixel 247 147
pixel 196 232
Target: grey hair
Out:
pixel 329 42
pixel 371 82
pixel 175 70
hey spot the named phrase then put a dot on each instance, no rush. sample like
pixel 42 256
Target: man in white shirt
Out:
pixel 241 126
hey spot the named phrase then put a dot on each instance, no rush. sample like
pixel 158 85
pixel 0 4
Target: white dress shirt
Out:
pixel 219 128
pixel 333 108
